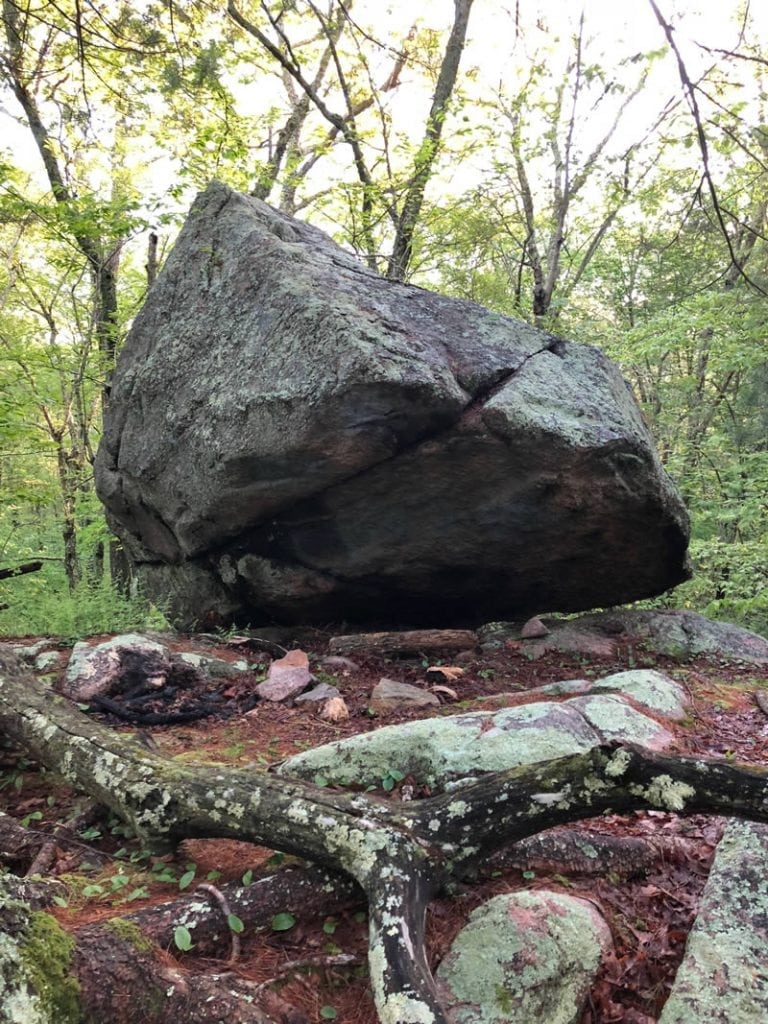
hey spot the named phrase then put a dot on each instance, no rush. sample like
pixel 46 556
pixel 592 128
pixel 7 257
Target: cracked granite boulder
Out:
pixel 290 436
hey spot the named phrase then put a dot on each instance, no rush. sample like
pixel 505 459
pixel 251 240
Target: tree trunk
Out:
pixel 400 854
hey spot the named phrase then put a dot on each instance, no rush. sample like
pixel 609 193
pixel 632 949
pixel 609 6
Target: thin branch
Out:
pixel 690 93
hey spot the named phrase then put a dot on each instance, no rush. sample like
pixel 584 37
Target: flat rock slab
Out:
pixel 723 978
pixel 524 958
pixel 438 751
pixel 328 445
pixel 389 694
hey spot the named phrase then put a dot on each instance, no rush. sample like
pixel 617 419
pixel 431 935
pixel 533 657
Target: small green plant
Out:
pixel 283 922
pixel 182 938
pixel 188 877
pixel 391 779
pixel 328 1012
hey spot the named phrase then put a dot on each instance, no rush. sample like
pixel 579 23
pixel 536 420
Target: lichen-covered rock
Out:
pixel 675 634
pixel 652 689
pixel 524 958
pixel 723 978
pixel 328 445
pixel 440 751
pixel 35 958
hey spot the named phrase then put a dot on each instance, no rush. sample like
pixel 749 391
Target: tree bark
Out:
pixel 414 641
pixel 399 854
pixel 402 249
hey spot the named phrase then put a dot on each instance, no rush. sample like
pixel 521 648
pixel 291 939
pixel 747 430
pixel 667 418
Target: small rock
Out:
pixel 338 662
pixel 335 710
pixel 217 668
pixel 389 693
pixel 287 677
pixel 28 654
pixel 323 691
pixel 46 661
pixel 533 629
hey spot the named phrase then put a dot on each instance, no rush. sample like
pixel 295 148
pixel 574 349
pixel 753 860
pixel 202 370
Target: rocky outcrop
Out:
pixel 440 751
pixel 677 634
pixel 290 435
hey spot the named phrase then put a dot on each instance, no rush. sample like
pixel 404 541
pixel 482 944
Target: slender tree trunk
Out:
pixel 402 250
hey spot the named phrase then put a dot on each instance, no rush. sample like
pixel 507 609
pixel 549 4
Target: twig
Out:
pixel 320 961
pixel 226 910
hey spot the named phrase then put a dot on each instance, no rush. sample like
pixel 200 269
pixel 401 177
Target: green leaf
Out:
pixel 60 901
pixel 186 878
pixel 235 924
pixel 247 877
pixel 93 890
pixel 529 874
pixel 182 938
pixel 283 922
pixel 328 1013
pixel 330 926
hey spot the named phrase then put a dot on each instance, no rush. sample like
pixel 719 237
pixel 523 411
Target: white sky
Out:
pixel 619 28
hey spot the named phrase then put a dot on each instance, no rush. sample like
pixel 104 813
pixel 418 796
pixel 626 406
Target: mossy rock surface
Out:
pixel 524 958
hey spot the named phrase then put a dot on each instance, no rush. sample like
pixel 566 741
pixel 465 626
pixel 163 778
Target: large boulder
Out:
pixel 291 435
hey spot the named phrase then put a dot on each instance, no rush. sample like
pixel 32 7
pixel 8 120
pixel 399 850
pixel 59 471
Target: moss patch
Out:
pixel 46 953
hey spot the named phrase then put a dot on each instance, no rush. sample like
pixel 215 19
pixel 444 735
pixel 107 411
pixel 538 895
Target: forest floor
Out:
pixel 649 916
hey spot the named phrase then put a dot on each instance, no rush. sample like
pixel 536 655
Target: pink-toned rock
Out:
pixel 287 677
pixel 533 629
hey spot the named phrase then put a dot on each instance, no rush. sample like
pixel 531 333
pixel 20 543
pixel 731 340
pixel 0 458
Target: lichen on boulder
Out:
pixel 524 958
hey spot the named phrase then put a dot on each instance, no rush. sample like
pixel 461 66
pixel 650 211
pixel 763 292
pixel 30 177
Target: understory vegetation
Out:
pixel 608 183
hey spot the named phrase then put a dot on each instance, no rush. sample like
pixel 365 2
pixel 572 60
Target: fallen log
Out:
pixel 400 854
pixel 20 570
pixel 414 641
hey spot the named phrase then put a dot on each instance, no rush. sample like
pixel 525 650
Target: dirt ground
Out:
pixel 649 916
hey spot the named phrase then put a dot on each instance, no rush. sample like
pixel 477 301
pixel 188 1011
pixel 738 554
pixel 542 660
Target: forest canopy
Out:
pixel 602 178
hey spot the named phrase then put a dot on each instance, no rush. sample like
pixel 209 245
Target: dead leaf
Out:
pixel 445 690
pixel 448 672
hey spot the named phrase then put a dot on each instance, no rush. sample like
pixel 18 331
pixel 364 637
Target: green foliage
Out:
pixel 182 938
pixel 142 109
pixel 43 605
pixel 283 922
pixel 391 779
